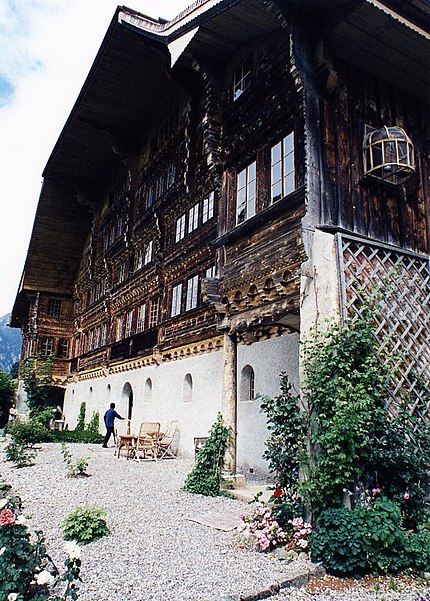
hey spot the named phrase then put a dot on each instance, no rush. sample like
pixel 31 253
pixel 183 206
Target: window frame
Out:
pixel 180 227
pixel 176 304
pixel 286 153
pixel 247 200
pixel 54 307
pixel 192 296
pixel 242 78
pixel 208 207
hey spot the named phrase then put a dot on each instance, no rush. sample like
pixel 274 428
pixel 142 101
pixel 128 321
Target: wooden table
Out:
pixel 127 442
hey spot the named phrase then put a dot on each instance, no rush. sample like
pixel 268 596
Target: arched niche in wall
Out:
pixel 247 384
pixel 187 390
pixel 127 400
pixel 147 393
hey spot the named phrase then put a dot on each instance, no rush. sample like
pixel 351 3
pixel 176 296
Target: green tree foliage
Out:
pixel 205 477
pixel 36 373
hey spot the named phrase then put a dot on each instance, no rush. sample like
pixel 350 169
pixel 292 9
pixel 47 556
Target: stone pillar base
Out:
pixel 233 480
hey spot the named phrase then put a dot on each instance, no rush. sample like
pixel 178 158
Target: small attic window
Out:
pixel 242 78
pixel 388 155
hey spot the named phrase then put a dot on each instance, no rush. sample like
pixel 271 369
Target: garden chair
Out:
pixel 166 440
pixel 147 441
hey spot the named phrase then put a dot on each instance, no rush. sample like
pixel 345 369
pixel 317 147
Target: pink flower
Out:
pixel 406 496
pixel 7 517
pixel 376 491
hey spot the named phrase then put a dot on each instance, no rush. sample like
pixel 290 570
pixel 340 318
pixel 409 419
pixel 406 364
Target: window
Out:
pixel 46 345
pixel 192 292
pixel 147 396
pixel 171 175
pixel 104 334
pixel 193 218
pixel 282 168
pixel 119 327
pixel 141 318
pixel 208 207
pixel 211 272
pixel 176 300
pixel 187 389
pixel 247 384
pixel 54 307
pixel 148 252
pixel 180 228
pixel 129 323
pixel 242 78
pixel 139 259
pixel 153 313
pixel 246 193
pixel 122 272
pixel 62 348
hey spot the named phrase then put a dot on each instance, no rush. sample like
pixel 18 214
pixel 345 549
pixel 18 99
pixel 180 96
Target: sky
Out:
pixel 46 50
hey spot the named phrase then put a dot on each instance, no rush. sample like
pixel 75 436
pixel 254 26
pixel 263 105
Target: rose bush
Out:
pixel 26 570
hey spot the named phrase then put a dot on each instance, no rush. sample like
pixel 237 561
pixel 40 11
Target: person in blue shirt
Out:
pixel 109 418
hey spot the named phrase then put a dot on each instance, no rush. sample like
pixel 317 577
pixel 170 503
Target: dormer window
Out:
pixel 242 78
pixel 388 155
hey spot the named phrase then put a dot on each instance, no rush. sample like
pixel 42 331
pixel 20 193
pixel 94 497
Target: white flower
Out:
pixel 3 503
pixel 2 550
pixel 12 597
pixel 73 550
pixel 45 577
pixel 21 520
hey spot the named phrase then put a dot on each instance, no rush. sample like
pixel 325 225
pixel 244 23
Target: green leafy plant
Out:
pixel 93 425
pixel 80 424
pixel 205 477
pixel 75 467
pixel 286 448
pixel 85 525
pixel 344 390
pixel 368 539
pixel 350 542
pixel 20 454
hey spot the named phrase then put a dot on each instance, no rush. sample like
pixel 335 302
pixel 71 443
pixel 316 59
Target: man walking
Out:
pixel 109 418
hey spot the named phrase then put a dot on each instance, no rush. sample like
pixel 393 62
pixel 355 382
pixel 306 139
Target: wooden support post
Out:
pixel 229 397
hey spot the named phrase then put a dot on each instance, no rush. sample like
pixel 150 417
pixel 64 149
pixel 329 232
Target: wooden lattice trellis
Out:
pixel 398 284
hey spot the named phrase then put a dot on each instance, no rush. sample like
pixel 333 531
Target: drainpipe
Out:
pixel 229 398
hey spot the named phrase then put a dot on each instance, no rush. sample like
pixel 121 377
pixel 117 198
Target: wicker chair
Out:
pixel 166 440
pixel 147 441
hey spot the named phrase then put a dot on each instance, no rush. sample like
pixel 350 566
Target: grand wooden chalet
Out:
pixel 222 180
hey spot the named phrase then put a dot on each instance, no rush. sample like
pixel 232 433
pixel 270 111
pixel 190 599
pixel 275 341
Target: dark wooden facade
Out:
pixel 148 143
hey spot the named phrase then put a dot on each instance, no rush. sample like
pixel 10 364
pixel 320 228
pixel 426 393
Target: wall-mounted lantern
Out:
pixel 388 155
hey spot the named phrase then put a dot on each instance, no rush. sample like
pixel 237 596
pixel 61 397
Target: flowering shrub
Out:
pixel 26 571
pixel 301 535
pixel 261 526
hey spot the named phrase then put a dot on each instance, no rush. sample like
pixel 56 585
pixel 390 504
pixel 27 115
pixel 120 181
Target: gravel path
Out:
pixel 153 553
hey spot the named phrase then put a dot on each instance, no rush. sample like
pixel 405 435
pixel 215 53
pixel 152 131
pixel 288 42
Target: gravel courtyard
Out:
pixel 154 553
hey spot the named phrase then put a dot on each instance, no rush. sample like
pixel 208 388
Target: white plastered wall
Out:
pixel 195 417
